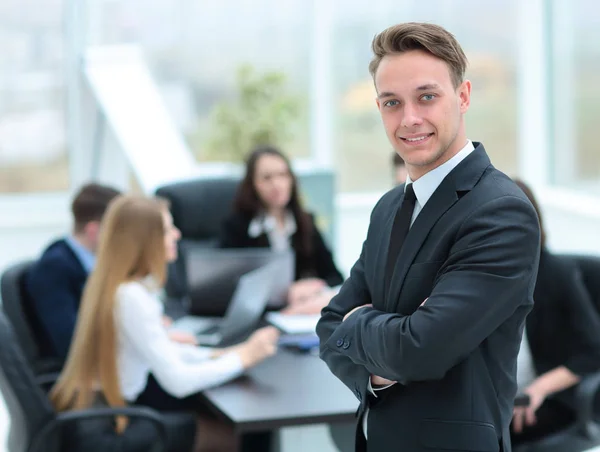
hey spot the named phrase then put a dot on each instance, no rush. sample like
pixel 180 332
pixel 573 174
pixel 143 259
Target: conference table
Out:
pixel 289 389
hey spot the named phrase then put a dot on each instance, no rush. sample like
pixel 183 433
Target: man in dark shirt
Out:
pixel 55 282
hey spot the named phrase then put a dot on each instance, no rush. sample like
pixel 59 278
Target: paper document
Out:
pixel 294 324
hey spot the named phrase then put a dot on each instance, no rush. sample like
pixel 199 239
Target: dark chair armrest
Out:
pixel 585 395
pixel 69 417
pixel 48 365
pixel 46 381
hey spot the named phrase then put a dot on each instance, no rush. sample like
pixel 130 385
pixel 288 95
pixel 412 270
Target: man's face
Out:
pixel 421 110
pixel 92 235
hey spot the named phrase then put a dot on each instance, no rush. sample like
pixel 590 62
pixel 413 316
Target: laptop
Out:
pixel 243 313
pixel 212 275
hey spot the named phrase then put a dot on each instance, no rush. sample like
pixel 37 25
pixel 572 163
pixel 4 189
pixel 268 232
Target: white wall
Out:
pixel 27 224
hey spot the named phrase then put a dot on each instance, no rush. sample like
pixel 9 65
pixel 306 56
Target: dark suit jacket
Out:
pixel 563 328
pixel 473 251
pixel 55 285
pixel 234 234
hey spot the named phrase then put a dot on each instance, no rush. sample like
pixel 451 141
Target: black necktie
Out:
pixel 399 232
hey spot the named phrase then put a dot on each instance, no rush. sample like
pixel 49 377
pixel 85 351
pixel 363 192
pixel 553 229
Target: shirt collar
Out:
pixel 427 184
pixel 265 224
pixel 85 256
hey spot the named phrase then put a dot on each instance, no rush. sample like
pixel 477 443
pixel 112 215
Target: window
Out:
pixel 576 93
pixel 195 49
pixel 33 138
pixel 362 151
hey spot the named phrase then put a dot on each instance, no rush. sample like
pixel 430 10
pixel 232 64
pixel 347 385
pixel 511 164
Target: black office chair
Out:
pixel 584 433
pixel 16 306
pixel 36 427
pixel 199 208
pixel 590 270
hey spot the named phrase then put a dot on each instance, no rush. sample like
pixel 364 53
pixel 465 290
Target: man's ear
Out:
pixel 464 93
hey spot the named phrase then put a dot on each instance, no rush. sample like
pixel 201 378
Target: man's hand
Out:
pixel 182 337
pixel 356 309
pixel 167 321
pixel 525 415
pixel 380 381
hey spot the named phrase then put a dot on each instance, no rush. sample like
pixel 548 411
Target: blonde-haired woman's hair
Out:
pixel 131 247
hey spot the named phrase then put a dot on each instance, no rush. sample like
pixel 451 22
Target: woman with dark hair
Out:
pixel 561 344
pixel 268 213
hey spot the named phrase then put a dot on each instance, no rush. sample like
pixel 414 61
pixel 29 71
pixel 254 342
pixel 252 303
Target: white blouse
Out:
pixel 279 238
pixel 144 347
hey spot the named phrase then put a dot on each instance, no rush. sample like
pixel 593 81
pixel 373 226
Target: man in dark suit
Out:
pixel 427 328
pixel 55 282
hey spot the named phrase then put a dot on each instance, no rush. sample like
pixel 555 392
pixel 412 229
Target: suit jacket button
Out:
pixel 345 345
pixel 339 342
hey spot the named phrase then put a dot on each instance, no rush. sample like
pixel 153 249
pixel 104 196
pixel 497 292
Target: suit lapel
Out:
pixel 461 179
pixel 442 199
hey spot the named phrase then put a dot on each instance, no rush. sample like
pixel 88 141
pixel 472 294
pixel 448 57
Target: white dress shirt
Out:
pixel 279 238
pixel 525 369
pixel 424 187
pixel 144 347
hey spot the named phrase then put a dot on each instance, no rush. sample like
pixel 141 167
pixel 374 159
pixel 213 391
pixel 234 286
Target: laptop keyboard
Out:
pixel 210 330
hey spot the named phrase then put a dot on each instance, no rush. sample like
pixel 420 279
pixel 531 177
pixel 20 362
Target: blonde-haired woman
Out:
pixel 121 352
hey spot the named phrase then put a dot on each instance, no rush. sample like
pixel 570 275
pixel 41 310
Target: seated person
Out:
pixel 55 282
pixel 400 171
pixel 561 344
pixel 268 213
pixel 121 352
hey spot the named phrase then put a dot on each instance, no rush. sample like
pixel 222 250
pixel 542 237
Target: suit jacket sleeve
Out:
pixel 354 292
pixel 326 268
pixel 489 273
pixel 54 303
pixel 584 337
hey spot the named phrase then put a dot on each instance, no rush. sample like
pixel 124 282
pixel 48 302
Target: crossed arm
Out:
pixel 489 272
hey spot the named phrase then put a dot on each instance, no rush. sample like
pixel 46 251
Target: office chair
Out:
pixel 590 270
pixel 199 208
pixel 16 306
pixel 36 427
pixel 584 433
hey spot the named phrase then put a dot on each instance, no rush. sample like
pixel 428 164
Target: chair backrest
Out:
pixel 200 206
pixel 28 407
pixel 14 305
pixel 590 270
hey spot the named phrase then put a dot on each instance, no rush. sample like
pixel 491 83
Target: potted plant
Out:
pixel 262 112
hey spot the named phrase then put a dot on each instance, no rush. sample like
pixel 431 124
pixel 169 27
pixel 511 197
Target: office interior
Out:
pixel 128 92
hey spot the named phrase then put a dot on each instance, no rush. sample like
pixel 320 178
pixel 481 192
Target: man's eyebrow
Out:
pixel 425 87
pixel 428 86
pixel 385 94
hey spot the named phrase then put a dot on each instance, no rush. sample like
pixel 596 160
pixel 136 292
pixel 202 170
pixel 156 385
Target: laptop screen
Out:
pixel 213 274
pixel 249 301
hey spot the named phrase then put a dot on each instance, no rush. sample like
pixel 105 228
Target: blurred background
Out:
pixel 142 93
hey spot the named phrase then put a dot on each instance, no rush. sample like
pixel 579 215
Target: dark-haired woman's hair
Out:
pixel 248 202
pixel 529 193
